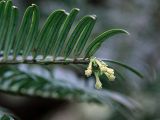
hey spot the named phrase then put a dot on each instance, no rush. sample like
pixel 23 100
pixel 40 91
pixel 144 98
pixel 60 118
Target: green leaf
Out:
pixel 44 37
pixel 84 37
pixel 54 36
pixel 32 32
pixel 100 39
pixel 12 27
pixel 125 66
pixel 2 8
pixel 23 32
pixel 76 34
pixel 5 22
pixel 64 32
pixel 93 49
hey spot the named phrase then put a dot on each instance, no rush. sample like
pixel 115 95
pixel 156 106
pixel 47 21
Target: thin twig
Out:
pixel 45 61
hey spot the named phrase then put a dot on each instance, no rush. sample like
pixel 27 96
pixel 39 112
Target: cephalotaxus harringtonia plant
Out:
pixel 51 44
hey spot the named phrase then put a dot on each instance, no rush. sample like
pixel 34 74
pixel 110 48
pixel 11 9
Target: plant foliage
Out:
pixel 26 41
pixel 54 39
pixel 14 80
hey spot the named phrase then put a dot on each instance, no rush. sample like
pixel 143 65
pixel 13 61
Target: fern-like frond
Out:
pixel 53 40
pixel 20 82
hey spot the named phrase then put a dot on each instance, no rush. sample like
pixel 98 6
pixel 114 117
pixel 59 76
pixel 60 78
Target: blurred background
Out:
pixel 141 18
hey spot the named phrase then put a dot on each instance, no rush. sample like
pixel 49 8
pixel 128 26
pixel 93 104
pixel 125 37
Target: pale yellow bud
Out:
pixel 110 71
pixel 88 72
pixel 111 77
pixel 103 69
pixel 107 74
pixel 98 84
pixel 99 63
